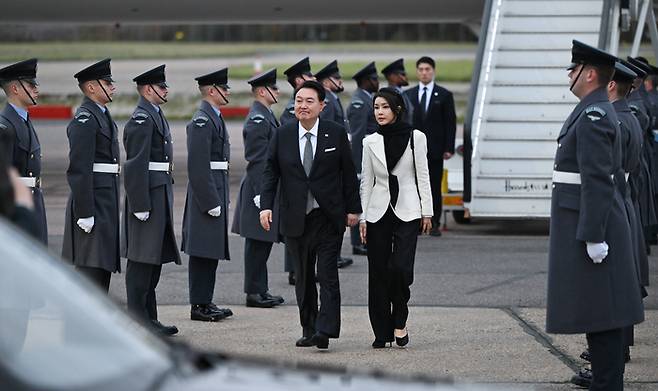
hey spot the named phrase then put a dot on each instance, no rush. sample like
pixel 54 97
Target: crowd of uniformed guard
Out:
pixel 98 233
pixel 604 204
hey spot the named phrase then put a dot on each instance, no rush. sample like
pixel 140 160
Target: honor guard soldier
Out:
pixel 148 237
pixel 297 75
pixel 258 129
pixel 19 81
pixel 91 227
pixel 396 76
pixel 592 278
pixel 638 103
pixel 205 221
pixel 331 80
pixel 361 119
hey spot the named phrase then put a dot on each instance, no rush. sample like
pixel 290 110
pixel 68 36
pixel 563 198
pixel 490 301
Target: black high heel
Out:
pixel 402 341
pixel 377 344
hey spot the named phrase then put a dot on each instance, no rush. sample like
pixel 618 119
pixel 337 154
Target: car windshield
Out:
pixel 57 332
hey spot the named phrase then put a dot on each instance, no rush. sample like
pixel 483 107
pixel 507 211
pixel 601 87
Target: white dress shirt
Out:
pixel 430 88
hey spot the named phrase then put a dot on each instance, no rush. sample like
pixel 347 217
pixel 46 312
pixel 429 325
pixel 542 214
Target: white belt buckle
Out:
pixel 219 165
pixel 106 168
pixel 571 178
pixel 28 181
pixel 161 166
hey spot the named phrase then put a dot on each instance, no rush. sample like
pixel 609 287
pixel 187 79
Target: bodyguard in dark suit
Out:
pixel 297 74
pixel 361 119
pixel 22 143
pixel 396 76
pixel 311 162
pixel 205 220
pixel 434 115
pixel 148 239
pixel 258 129
pixel 592 278
pixel 91 227
pixel 332 81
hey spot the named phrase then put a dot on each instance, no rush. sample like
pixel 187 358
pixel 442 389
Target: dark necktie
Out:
pixel 307 162
pixel 423 102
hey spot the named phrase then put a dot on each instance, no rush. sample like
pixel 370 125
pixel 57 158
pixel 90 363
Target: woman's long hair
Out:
pixel 394 100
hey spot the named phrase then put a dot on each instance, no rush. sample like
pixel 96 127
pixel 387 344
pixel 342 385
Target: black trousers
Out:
pixel 288 264
pixel 256 254
pixel 391 254
pixel 141 280
pixel 436 177
pixel 319 241
pixel 606 349
pixel 98 276
pixel 355 236
pixel 201 276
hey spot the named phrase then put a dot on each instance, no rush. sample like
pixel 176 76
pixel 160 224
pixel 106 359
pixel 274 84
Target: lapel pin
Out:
pixel 436 94
pixel 326 135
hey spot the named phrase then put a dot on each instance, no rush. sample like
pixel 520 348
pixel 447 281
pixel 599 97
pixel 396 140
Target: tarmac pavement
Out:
pixel 478 299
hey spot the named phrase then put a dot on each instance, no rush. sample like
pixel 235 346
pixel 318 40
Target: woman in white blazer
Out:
pixel 397 202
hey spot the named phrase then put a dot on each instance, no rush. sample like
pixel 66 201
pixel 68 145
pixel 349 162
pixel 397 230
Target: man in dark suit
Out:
pixel 319 196
pixel 148 239
pixel 19 81
pixel 331 80
pixel 205 221
pixel 257 132
pixel 434 115
pixel 91 227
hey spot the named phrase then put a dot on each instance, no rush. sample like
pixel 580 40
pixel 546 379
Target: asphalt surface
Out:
pixel 478 297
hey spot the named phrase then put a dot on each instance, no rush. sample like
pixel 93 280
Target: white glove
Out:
pixel 597 251
pixel 86 224
pixel 215 212
pixel 143 216
pixel 257 201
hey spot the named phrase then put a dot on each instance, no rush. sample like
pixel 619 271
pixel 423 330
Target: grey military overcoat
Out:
pixel 256 134
pixel 24 150
pixel 333 110
pixel 631 136
pixel 207 140
pixel 361 118
pixel 146 138
pixel 92 139
pixel 288 114
pixel 585 297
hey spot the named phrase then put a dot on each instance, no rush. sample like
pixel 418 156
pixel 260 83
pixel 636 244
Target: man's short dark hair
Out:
pixel 314 85
pixel 604 74
pixel 426 60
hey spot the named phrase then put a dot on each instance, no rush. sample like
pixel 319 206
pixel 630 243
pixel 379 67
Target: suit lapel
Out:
pixel 377 147
pixel 159 121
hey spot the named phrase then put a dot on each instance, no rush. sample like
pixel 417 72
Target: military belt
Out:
pixel 30 181
pixel 161 166
pixel 570 178
pixel 107 168
pixel 219 165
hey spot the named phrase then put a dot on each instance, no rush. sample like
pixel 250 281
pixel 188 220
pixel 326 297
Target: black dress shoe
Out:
pixel 320 340
pixel 291 278
pixel 204 313
pixel 585 355
pixel 304 342
pixel 276 299
pixel 226 311
pixel 162 329
pixel 377 344
pixel 256 301
pixel 435 231
pixel 583 378
pixel 359 250
pixel 403 341
pixel 344 262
